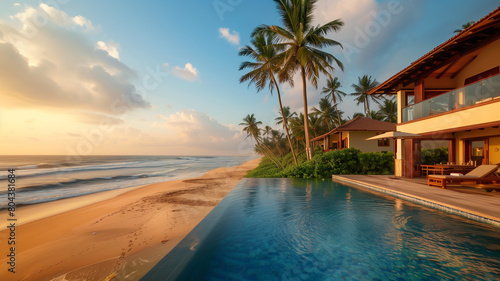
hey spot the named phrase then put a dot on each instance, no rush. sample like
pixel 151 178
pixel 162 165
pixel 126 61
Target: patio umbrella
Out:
pixel 394 135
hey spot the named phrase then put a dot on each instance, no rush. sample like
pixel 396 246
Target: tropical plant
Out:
pixel 263 69
pixel 388 110
pixel 375 115
pixel 302 43
pixel 326 113
pixel 356 114
pixel 332 88
pixel 361 89
pixel 253 131
pixel 464 27
pixel 315 125
pixel 285 116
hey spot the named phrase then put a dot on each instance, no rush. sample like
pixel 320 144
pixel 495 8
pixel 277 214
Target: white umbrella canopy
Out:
pixel 394 135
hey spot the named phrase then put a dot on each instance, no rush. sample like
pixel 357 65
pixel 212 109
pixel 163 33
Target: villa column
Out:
pixel 398 158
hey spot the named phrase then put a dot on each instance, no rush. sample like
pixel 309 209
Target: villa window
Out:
pixel 383 142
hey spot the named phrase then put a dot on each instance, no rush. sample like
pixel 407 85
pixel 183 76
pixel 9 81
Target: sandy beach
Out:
pixel 115 235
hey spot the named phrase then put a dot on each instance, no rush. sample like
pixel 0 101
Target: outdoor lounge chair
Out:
pixel 481 174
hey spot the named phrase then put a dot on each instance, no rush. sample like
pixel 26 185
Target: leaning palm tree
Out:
pixel 302 43
pixel 388 110
pixel 253 131
pixel 332 88
pixel 464 27
pixel 263 69
pixel 361 89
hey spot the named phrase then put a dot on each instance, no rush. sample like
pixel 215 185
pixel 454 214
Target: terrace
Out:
pixel 475 94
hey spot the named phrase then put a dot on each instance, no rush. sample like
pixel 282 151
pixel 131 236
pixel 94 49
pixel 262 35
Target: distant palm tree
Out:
pixel 253 131
pixel 356 114
pixel 263 71
pixel 332 88
pixel 286 115
pixel 267 131
pixel 315 125
pixel 375 115
pixel 302 42
pixel 361 89
pixel 326 113
pixel 464 27
pixel 297 128
pixel 388 110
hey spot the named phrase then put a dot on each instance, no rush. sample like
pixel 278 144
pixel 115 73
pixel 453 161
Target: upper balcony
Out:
pixel 470 95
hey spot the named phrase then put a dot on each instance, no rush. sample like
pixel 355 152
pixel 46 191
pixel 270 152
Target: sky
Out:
pixel 122 77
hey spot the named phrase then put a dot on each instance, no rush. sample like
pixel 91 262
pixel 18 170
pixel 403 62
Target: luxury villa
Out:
pixel 353 134
pixel 451 94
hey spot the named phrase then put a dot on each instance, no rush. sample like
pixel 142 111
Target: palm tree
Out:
pixel 302 43
pixel 316 125
pixel 388 110
pixel 286 115
pixel 267 131
pixel 356 114
pixel 464 27
pixel 297 128
pixel 263 69
pixel 332 88
pixel 252 129
pixel 326 113
pixel 375 115
pixel 361 89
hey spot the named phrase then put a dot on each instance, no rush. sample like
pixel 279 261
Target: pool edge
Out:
pixel 476 216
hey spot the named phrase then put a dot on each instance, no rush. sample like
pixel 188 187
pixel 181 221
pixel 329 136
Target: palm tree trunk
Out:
pixel 306 119
pixel 339 122
pixel 284 120
pixel 367 105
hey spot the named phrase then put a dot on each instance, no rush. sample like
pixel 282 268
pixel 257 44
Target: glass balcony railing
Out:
pixel 482 91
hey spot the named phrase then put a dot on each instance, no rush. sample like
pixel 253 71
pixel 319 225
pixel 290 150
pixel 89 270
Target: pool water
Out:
pixel 286 229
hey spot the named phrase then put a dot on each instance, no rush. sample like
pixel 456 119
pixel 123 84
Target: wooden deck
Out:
pixel 471 201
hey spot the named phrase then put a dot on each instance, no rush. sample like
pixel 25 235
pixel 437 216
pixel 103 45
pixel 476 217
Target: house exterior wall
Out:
pixel 357 139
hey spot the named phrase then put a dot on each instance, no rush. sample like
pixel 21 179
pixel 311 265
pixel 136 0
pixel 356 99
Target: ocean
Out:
pixel 47 178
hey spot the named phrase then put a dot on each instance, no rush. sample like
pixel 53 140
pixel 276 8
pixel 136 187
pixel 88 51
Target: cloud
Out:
pixel 193 128
pixel 231 37
pixel 112 48
pixel 98 119
pixel 56 65
pixel 189 72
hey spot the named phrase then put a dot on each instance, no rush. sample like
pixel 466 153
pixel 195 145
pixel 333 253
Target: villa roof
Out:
pixel 361 123
pixel 447 59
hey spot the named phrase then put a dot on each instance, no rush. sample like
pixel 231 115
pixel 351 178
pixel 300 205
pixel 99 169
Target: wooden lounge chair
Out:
pixel 481 174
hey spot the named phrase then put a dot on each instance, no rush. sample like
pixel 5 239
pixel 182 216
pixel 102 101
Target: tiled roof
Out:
pixel 361 123
pixel 481 31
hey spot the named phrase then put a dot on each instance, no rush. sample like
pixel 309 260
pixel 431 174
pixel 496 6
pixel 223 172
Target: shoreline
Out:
pixel 118 233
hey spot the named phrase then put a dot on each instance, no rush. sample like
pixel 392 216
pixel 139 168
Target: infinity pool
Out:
pixel 285 229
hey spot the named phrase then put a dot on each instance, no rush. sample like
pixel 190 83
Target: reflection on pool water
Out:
pixel 286 229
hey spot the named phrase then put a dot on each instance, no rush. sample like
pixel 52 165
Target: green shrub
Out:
pixel 377 163
pixel 324 165
pixel 435 155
